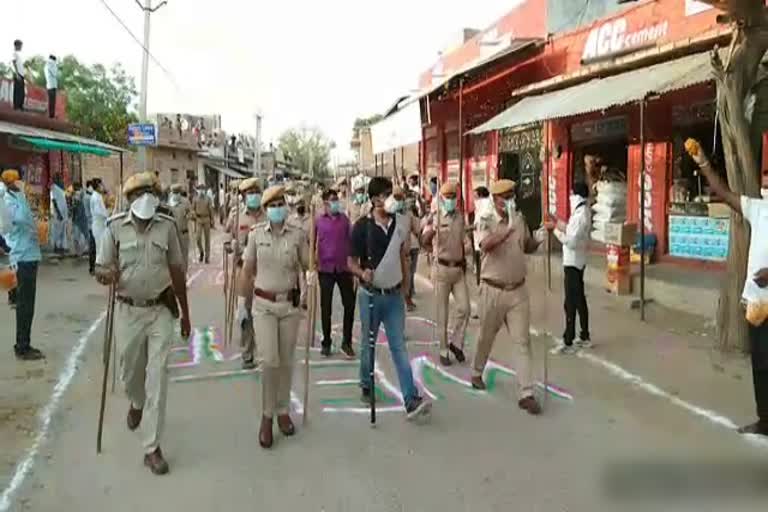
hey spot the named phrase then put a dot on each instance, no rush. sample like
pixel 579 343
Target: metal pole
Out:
pixel 642 209
pixel 257 146
pixel 461 143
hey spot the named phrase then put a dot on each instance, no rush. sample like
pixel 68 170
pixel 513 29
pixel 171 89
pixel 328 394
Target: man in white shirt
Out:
pixel 52 83
pixel 754 211
pixel 575 239
pixel 99 214
pixel 19 74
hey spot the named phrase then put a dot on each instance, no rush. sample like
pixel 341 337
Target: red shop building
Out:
pixel 628 90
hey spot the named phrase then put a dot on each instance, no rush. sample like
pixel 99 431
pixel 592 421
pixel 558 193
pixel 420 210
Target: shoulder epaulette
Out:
pixel 166 217
pixel 115 217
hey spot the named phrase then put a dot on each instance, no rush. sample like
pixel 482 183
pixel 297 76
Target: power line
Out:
pixel 168 74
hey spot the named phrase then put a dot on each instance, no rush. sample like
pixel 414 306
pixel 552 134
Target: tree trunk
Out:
pixel 735 82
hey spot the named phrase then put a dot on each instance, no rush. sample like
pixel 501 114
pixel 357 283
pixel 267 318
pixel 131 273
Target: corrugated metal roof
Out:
pixel 225 171
pixel 29 131
pixel 603 93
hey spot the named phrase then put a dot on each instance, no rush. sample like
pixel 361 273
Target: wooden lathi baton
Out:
pixel 312 308
pixel 108 335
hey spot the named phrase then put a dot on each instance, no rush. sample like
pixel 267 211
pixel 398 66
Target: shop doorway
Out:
pixel 524 168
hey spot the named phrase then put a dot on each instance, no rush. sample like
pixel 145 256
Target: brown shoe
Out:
pixel 265 433
pixel 530 404
pixel 285 424
pixel 156 463
pixel 477 383
pixel 134 418
pixel 759 427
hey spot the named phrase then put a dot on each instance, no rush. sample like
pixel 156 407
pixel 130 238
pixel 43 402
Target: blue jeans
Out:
pixel 414 265
pixel 390 311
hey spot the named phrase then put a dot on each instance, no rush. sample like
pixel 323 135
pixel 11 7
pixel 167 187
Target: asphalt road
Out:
pixel 603 443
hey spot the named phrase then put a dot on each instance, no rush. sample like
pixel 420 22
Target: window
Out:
pixel 174 176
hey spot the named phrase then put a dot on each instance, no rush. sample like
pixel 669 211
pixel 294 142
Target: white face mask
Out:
pixel 174 199
pixel 145 206
pixel 390 205
pixel 576 200
pixel 764 193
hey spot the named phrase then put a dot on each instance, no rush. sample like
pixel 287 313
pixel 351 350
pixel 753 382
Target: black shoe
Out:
pixel 346 348
pixel 249 364
pixel 758 428
pixel 445 360
pixel 207 261
pixel 365 396
pixel 417 408
pixel 30 354
pixel 325 351
pixel 457 353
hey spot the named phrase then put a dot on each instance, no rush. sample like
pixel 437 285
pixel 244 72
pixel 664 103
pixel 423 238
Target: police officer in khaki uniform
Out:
pixel 140 253
pixel 503 299
pixel 359 206
pixel 203 211
pixel 182 212
pixel 299 218
pixel 449 273
pixel 250 215
pixel 275 255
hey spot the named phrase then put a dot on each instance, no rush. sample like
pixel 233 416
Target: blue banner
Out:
pixel 142 134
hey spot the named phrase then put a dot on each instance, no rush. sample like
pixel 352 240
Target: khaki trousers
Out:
pixel 204 234
pixel 145 335
pixel 508 311
pixel 278 327
pixel 450 280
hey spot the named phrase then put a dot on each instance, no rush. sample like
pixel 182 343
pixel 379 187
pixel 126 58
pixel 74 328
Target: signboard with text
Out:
pixel 614 38
pixel 140 134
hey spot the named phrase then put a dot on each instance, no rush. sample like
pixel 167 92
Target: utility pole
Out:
pixel 148 10
pixel 257 148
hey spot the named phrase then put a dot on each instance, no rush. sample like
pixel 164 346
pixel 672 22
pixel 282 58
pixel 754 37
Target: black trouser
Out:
pixel 347 289
pixel 18 93
pixel 575 302
pixel 26 275
pixel 91 252
pixel 758 340
pixel 51 103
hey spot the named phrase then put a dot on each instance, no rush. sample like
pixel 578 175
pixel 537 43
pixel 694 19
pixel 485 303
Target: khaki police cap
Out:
pixel 502 187
pixel 448 188
pixel 177 187
pixel 271 194
pixel 10 176
pixel 234 184
pixel 140 180
pixel 249 184
pixel 398 191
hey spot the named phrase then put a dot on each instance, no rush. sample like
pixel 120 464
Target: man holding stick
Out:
pixel 237 227
pixel 449 274
pixel 504 300
pixel 146 294
pixel 379 258
pixel 755 294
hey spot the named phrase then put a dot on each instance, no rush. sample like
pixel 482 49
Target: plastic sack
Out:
pixel 7 278
pixel 757 313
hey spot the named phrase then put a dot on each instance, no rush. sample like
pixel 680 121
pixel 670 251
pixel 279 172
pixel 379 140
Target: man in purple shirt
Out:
pixel 333 230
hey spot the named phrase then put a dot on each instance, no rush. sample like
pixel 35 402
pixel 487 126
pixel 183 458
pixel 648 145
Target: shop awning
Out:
pixel 226 172
pixel 604 93
pixel 399 129
pixel 59 141
pixel 70 147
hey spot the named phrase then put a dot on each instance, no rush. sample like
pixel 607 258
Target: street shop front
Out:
pixel 611 133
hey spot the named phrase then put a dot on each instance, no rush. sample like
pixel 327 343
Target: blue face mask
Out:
pixel 334 207
pixel 252 201
pixel 433 188
pixel 399 206
pixel 277 214
pixel 359 198
pixel 449 205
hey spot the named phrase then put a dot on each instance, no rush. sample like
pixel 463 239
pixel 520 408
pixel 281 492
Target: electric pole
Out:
pixel 148 10
pixel 257 146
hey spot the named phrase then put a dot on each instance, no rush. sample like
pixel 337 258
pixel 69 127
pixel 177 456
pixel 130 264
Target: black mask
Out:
pixel 301 210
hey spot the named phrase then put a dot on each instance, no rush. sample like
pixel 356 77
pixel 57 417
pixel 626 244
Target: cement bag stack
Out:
pixel 610 207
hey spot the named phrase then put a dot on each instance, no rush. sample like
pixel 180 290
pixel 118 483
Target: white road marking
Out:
pixel 640 383
pixel 62 384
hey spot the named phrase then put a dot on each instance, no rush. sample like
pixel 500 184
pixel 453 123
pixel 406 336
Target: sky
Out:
pixel 298 62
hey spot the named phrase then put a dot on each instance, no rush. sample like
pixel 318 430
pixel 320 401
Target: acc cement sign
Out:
pixel 613 38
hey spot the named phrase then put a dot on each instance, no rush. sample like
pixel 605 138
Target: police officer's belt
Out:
pixel 275 297
pixel 503 286
pixel 452 264
pixel 185 232
pixel 382 291
pixel 140 303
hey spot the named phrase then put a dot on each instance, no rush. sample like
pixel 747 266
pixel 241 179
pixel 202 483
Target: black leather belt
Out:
pixel 383 291
pixel 452 264
pixel 139 303
pixel 185 232
pixel 503 286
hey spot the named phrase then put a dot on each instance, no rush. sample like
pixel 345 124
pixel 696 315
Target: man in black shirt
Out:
pixel 379 258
